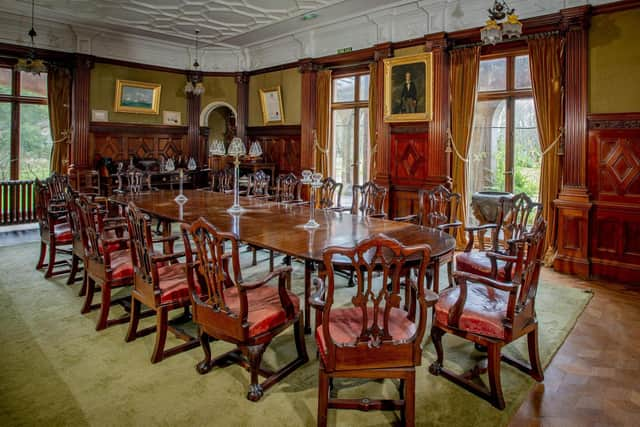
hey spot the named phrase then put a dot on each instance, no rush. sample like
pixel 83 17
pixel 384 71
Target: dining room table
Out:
pixel 280 226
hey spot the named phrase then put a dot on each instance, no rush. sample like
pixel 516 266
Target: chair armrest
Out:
pixel 443 227
pixel 257 283
pixel 157 258
pixel 463 277
pixel 502 257
pixel 409 218
pixel 316 299
pixel 382 216
pixel 470 233
pixel 430 297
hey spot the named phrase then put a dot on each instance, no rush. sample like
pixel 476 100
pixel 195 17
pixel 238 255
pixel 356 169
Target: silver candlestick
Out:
pixel 236 149
pixel 314 181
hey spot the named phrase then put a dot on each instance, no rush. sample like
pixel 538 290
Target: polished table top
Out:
pixel 278 226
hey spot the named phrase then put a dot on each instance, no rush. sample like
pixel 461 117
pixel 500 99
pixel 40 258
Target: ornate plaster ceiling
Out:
pixel 175 20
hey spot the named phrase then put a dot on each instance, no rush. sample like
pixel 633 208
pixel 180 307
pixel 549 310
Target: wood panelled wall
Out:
pixel 121 141
pixel 614 184
pixel 280 144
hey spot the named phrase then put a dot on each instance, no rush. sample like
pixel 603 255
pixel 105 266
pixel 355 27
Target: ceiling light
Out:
pixel 30 64
pixel 502 23
pixel 194 79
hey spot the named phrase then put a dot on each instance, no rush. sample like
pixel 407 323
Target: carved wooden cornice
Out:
pixel 614 121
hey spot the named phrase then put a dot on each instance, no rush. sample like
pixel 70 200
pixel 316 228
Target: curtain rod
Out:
pixel 527 37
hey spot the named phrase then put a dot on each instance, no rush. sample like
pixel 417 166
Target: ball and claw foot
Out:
pixel 203 367
pixel 255 392
pixel 435 368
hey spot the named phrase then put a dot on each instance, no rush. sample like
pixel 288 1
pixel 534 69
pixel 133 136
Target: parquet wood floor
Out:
pixel 594 379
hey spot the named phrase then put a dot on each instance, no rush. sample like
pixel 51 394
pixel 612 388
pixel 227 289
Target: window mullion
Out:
pixel 509 148
pixel 14 163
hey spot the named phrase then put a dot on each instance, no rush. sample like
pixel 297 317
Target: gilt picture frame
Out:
pixel 137 97
pixel 271 102
pixel 408 88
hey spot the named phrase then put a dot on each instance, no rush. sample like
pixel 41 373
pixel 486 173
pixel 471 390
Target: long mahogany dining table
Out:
pixel 279 226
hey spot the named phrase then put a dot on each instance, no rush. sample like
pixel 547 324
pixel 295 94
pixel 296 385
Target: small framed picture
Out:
pixel 271 102
pixel 171 118
pixel 99 115
pixel 137 97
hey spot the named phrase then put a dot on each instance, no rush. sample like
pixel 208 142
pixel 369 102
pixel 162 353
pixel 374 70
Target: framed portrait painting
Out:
pixel 137 97
pixel 408 88
pixel 271 102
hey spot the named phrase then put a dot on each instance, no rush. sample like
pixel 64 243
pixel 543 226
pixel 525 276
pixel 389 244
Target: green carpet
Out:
pixel 57 370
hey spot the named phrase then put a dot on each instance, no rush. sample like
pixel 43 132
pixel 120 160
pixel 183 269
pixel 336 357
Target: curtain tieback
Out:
pixel 555 141
pixel 452 145
pixel 65 138
pixel 318 147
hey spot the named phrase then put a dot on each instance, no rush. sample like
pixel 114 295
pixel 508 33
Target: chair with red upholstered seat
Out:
pixel 160 283
pixel 437 208
pixel 247 314
pixel 374 335
pixel 107 260
pixel 515 218
pixel 492 314
pixel 55 232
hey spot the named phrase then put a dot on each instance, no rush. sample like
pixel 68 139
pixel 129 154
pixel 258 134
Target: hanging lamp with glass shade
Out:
pixel 31 64
pixel 194 84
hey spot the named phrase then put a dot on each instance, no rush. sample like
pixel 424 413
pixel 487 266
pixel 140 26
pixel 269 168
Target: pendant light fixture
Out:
pixel 31 64
pixel 502 23
pixel 194 78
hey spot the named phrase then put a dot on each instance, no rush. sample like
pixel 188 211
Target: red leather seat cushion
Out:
pixel 121 264
pixel 345 325
pixel 173 283
pixel 63 233
pixel 479 263
pixel 483 313
pixel 265 309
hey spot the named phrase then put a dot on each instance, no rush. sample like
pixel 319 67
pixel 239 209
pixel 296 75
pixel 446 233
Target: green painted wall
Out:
pixel 219 89
pixel 614 62
pixel 290 82
pixel 103 87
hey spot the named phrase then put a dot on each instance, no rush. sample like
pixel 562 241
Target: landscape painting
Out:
pixel 137 97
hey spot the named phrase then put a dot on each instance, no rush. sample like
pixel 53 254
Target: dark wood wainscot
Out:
pixel 280 144
pixel 614 183
pixel 414 164
pixel 121 141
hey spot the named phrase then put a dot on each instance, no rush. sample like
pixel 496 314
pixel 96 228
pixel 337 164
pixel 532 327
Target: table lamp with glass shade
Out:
pixel 236 149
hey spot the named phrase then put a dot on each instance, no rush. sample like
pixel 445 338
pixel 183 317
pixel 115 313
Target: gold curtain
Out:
pixel 322 143
pixel 545 58
pixel 373 101
pixel 59 98
pixel 463 87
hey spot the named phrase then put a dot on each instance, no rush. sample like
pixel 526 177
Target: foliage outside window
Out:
pixel 504 154
pixel 350 131
pixel 25 135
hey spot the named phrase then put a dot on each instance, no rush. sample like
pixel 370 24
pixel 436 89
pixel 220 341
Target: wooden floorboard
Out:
pixel 594 379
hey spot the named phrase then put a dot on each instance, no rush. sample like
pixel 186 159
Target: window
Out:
pixel 504 154
pixel 25 136
pixel 350 131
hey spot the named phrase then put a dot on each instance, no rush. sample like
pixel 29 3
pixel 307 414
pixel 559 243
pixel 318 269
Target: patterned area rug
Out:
pixel 57 370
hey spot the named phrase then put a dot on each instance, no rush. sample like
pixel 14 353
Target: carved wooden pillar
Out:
pixel 193 122
pixel 383 143
pixel 308 114
pixel 80 113
pixel 242 82
pixel 439 161
pixel 573 201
